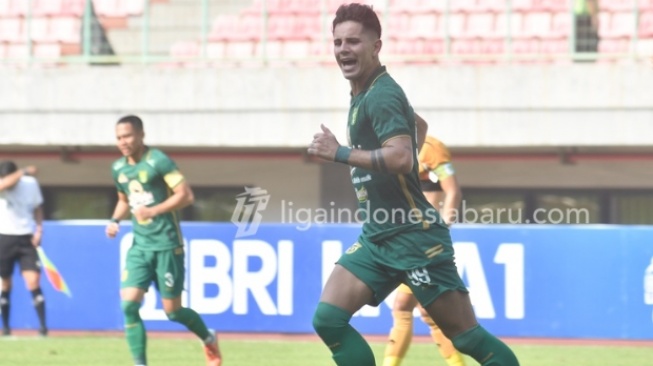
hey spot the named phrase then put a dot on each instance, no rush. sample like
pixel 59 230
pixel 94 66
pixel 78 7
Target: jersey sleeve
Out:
pixel 387 111
pixel 167 168
pixel 38 196
pixel 115 174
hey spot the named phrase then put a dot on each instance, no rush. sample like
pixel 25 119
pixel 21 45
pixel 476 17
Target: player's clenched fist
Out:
pixel 112 229
pixel 324 144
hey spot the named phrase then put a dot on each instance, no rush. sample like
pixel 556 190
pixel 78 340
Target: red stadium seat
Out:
pixel 614 46
pixel 422 26
pixel 561 25
pixel 644 47
pixel 465 6
pixel 185 49
pixel 495 6
pixel 47 50
pixel 646 4
pixel 11 30
pixel 223 28
pixel 646 24
pixel 39 29
pixel 537 24
pixel 523 5
pixel 134 7
pixel 4 9
pixel 47 7
pixel 481 25
pixel 616 5
pixel 216 50
pixel 616 25
pixel 66 29
pixel 454 26
pixel 17 51
pixel 529 46
pixel 109 8
pixel 72 7
pixel 554 46
pixel 18 7
pixel 466 47
pixel 514 25
pixel 553 5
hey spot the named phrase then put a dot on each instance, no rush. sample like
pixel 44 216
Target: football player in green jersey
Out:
pixel 151 187
pixel 403 239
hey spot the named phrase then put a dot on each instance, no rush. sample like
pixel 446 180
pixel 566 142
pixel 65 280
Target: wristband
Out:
pixel 342 155
pixel 115 221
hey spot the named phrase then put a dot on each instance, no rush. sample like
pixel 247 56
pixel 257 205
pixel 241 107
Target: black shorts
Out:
pixel 430 186
pixel 17 248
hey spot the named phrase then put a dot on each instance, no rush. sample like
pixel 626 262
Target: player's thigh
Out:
pixel 444 297
pixel 170 272
pixel 139 270
pixel 370 281
pixel 8 255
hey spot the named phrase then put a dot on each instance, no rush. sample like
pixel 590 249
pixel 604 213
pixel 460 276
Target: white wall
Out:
pixel 491 106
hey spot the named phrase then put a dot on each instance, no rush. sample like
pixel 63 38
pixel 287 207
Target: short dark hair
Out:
pixel 7 167
pixel 135 121
pixel 363 14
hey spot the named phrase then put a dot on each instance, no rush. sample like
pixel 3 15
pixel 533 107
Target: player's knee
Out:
pixel 37 297
pixel 468 340
pixel 328 317
pixel 173 316
pixel 130 309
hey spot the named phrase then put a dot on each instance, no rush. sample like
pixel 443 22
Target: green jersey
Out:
pixel 388 203
pixel 147 183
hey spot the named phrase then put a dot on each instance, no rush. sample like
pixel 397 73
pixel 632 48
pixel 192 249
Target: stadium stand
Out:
pixel 55 26
pixel 419 30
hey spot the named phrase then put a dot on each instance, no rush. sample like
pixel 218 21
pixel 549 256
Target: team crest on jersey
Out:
pixel 122 178
pixel 142 176
pixel 361 194
pixel 354 116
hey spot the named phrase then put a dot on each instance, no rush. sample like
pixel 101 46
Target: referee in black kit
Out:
pixel 21 219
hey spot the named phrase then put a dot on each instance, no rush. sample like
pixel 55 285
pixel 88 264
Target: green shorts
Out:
pixel 423 260
pixel 165 267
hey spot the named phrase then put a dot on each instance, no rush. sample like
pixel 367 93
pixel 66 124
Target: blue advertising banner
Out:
pixel 586 281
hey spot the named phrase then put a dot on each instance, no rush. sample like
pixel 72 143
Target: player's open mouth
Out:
pixel 348 63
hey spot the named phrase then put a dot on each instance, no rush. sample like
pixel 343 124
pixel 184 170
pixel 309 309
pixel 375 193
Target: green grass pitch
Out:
pixel 112 351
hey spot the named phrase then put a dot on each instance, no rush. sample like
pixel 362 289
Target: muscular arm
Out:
pixel 421 127
pixel 453 197
pixel 182 196
pixel 122 207
pixel 395 157
pixel 10 180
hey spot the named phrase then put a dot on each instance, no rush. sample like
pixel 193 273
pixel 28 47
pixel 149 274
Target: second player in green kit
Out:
pixel 151 187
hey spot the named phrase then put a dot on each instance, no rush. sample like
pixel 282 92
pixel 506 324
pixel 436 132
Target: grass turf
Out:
pixel 112 351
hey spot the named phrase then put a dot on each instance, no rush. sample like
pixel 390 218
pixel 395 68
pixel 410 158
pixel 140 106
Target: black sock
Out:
pixel 39 305
pixel 4 308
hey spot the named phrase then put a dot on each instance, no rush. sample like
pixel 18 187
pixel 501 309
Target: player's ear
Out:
pixel 378 44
